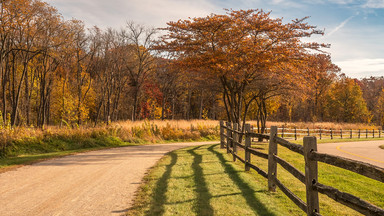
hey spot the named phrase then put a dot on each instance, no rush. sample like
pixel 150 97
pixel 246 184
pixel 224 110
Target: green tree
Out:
pixel 345 102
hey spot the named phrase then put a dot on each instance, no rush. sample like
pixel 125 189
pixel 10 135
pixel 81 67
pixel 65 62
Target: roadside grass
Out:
pixel 32 151
pixel 35 156
pixel 23 145
pixel 204 180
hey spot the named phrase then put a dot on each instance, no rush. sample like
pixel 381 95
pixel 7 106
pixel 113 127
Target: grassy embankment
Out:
pixel 203 180
pixel 26 145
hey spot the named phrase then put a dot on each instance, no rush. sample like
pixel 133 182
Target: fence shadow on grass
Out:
pixel 159 198
pixel 203 206
pixel 247 192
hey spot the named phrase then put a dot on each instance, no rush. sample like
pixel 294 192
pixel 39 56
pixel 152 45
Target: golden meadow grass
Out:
pixel 25 140
pixel 18 140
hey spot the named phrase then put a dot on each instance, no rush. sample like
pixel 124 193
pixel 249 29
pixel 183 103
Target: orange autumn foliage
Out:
pixel 241 49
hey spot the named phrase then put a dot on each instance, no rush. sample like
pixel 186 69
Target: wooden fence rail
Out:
pixel 295 133
pixel 232 137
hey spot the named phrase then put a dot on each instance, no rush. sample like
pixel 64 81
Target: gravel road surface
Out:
pixel 93 183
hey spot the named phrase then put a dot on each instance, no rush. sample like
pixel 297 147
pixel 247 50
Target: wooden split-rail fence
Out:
pixel 232 138
pixel 296 133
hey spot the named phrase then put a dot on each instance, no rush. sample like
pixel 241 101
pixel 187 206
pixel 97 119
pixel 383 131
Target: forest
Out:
pixel 241 65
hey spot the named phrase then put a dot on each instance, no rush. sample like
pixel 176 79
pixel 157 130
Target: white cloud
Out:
pixel 360 68
pixel 287 3
pixel 374 4
pixel 341 2
pixel 115 13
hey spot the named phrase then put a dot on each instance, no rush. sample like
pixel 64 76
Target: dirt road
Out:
pixel 94 183
pixel 366 151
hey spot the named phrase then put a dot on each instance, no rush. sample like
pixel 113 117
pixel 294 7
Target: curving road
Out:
pixel 93 183
pixel 366 151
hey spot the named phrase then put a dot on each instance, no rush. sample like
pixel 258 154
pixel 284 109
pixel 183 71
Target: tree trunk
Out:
pixel 135 103
pixel 201 106
pixel 27 100
pixel 189 105
pixel 173 107
pixel 163 107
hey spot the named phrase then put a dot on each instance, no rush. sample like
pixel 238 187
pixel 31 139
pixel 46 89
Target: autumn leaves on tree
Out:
pixel 238 65
pixel 253 56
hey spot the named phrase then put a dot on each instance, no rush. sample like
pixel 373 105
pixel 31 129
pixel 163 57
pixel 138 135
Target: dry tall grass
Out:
pixel 320 125
pixel 21 140
pixel 128 130
pixel 154 131
pixel 181 124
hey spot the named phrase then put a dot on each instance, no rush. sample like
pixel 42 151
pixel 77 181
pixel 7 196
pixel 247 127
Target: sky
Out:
pixel 354 28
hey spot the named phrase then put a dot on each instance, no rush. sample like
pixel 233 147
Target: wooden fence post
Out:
pixel 320 133
pixel 311 175
pixel 272 165
pixel 366 133
pixel 229 135
pixel 251 130
pixel 358 136
pixel 221 134
pixel 308 131
pixel 350 134
pixel 341 133
pixel 379 133
pixel 235 139
pixel 247 155
pixel 295 134
pixel 373 133
pixel 331 134
pixel 282 132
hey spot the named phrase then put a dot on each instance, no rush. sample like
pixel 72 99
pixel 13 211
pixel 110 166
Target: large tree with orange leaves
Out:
pixel 238 49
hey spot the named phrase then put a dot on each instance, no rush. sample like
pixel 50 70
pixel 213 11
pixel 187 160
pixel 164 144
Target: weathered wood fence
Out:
pixel 232 139
pixel 295 133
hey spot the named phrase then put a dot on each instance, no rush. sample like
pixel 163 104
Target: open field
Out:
pixel 206 180
pixel 319 125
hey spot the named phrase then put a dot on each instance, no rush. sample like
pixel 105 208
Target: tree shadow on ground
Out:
pixel 159 198
pixel 247 192
pixel 203 206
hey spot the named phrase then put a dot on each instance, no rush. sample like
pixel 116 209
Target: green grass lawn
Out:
pixel 204 180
